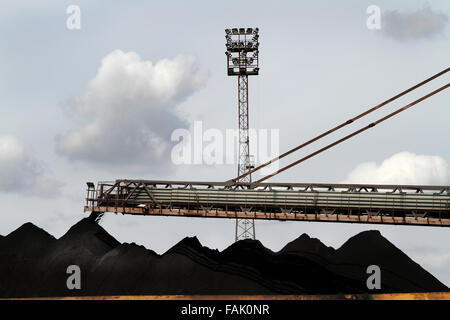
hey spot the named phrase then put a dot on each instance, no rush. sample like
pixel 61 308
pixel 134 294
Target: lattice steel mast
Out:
pixel 240 44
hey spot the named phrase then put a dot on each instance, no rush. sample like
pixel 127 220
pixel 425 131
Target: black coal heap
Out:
pixel 33 264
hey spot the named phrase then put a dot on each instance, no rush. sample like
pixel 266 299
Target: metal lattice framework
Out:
pixel 245 228
pixel 350 203
pixel 242 60
pixel 244 138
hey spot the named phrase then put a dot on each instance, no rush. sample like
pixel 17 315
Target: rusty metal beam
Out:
pixel 338 218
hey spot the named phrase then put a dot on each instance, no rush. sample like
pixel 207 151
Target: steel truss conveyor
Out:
pixel 350 203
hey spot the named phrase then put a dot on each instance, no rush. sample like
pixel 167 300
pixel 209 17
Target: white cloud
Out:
pixel 402 168
pixel 422 23
pixel 21 173
pixel 129 110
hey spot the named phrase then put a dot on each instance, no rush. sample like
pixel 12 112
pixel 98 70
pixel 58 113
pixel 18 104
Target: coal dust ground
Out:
pixel 33 264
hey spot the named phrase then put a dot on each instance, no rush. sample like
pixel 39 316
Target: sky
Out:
pixel 101 102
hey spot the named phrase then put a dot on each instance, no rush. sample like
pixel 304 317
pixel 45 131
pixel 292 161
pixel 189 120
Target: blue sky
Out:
pixel 320 65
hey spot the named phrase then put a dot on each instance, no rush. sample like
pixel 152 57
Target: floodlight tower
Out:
pixel 242 61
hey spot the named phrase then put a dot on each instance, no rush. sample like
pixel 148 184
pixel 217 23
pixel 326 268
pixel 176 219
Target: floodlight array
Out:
pixel 242 46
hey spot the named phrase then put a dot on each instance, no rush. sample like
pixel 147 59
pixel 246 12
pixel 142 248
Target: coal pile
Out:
pixel 33 264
